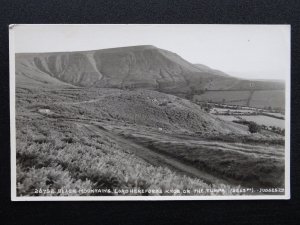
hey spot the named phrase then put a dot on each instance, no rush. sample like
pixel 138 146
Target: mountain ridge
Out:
pixel 144 66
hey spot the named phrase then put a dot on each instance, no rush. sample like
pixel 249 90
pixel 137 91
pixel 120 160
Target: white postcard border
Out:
pixel 13 171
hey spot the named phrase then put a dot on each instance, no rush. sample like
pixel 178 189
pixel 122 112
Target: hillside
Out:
pixel 127 67
pixel 141 109
pixel 210 70
pixel 157 110
pixel 84 138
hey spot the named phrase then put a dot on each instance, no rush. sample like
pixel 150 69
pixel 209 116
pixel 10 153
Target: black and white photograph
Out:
pixel 149 112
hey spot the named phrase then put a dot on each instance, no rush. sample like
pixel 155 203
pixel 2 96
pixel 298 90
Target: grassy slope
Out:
pixel 255 165
pixel 52 152
pixel 59 155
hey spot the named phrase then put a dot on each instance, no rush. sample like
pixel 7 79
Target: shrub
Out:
pixel 254 127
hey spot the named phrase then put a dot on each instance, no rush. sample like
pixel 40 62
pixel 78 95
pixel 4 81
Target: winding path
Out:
pixel 152 157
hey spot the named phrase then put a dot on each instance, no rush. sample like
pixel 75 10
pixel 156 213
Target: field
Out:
pixel 259 98
pixel 106 139
pixel 266 120
pixel 233 97
pixel 274 98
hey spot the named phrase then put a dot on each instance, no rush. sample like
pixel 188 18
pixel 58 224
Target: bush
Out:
pixel 254 127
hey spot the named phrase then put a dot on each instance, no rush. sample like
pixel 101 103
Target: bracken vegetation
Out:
pixel 55 152
pixel 58 155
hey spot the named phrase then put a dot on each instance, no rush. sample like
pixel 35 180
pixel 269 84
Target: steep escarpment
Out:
pixel 140 66
pixel 76 68
pixel 128 67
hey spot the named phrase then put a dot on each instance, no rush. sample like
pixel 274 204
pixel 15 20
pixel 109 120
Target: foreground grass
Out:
pixel 248 165
pixel 58 155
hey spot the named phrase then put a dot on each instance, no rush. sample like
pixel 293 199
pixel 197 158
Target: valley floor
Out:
pixel 71 139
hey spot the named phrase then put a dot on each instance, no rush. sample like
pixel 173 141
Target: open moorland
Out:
pixel 109 138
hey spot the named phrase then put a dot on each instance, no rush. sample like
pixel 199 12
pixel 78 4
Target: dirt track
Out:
pixel 152 157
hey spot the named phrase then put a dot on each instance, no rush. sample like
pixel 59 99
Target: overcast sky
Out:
pixel 248 51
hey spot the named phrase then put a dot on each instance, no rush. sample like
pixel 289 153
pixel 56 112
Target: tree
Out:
pixel 253 127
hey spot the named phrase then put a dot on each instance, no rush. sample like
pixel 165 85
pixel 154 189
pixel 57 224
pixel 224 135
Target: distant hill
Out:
pixel 210 70
pixel 143 66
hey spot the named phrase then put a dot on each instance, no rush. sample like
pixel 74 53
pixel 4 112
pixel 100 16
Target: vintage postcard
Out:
pixel 149 112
